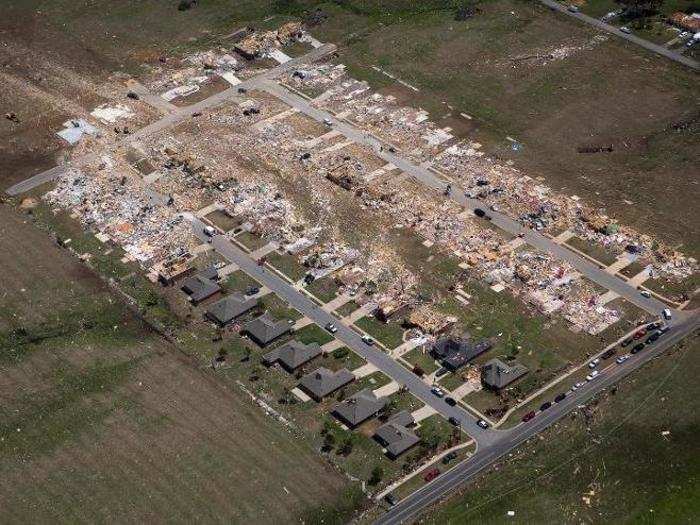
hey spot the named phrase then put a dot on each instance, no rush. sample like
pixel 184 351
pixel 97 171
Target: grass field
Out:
pixel 103 420
pixel 611 462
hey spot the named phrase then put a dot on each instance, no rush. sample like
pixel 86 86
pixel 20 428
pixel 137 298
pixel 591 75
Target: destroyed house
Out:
pixel 323 382
pixel 229 308
pixel 265 329
pixel 359 407
pixel 496 374
pixel 454 353
pixel 292 355
pixel 395 436
pixel 202 285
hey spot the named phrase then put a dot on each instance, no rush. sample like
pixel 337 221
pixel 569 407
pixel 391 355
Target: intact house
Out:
pixel 202 285
pixel 359 407
pixel 292 355
pixel 229 308
pixel 396 436
pixel 496 374
pixel 265 329
pixel 323 382
pixel 455 352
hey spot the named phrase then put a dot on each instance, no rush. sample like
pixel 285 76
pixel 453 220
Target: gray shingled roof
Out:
pixel 497 374
pixel 292 355
pixel 457 352
pixel 202 285
pixel 395 437
pixel 230 307
pixel 359 407
pixel 322 382
pixel 266 328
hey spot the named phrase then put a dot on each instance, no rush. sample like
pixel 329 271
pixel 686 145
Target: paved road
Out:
pixel 661 50
pixel 350 338
pixel 184 113
pixel 431 180
pixel 36 180
pixel 407 509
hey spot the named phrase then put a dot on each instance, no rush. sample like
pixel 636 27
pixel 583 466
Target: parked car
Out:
pixel 645 293
pixel 527 417
pixel 560 398
pixel 449 457
pixel 252 290
pixel 637 348
pixel 592 375
pixel 331 328
pixel 667 314
pixel 594 363
pixel 664 329
pixel 479 212
pixel 626 342
pixel 450 401
pixel 580 384
pixel 626 30
pixel 622 359
pixel 654 326
pixel 483 424
pixel 545 406
pixel 436 390
pixel 454 421
pixel 608 354
pixel 640 333
pixel 431 474
pixel 653 337
pixel 367 340
pixel 390 499
pixel 573 9
pixel 441 372
pixel 327 122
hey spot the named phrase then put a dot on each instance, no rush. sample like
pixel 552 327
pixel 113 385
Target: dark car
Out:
pixel 479 212
pixel 626 342
pixel 561 397
pixel 527 417
pixel 449 457
pixel 441 372
pixel 309 278
pixel 252 290
pixel 653 337
pixel 390 499
pixel 608 354
pixel 450 401
pixel 454 421
pixel 431 474
pixel 637 348
pixel 545 406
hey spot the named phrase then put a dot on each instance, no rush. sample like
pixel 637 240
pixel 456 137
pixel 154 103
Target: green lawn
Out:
pixel 324 289
pixel 420 357
pixel 287 264
pixel 389 334
pixel 239 281
pixel 278 308
pixel 347 309
pixel 313 334
pixel 251 241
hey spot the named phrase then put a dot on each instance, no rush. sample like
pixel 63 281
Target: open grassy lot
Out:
pixel 102 419
pixel 287 264
pixel 389 334
pixel 420 357
pixel 324 289
pixel 628 456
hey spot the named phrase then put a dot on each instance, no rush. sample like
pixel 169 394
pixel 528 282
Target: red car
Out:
pixel 431 474
pixel 527 417
pixel 641 333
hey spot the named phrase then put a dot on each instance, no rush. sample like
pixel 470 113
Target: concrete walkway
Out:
pixel 364 370
pixel 622 262
pixel 463 389
pixel 388 389
pixel 262 252
pixel 406 347
pixel 332 345
pixel 214 206
pixel 362 311
pixel 337 302
pixel 301 323
pixel 640 278
pixel 563 237
pixel 423 413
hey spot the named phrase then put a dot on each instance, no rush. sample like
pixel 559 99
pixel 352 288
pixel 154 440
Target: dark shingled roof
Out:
pixel 454 353
pixel 496 374
pixel 395 437
pixel 202 285
pixel 230 307
pixel 359 407
pixel 322 382
pixel 265 329
pixel 292 355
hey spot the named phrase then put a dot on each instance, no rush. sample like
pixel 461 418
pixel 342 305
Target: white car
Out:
pixel 580 384
pixel 592 375
pixel 622 359
pixel 594 363
pixel 667 314
pixel 626 30
pixel 327 122
pixel 438 391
